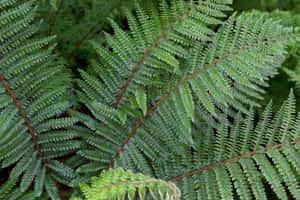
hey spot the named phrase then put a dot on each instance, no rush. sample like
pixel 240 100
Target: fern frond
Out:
pixel 294 75
pixel 249 163
pixel 151 50
pixel 32 89
pixel 292 66
pixel 120 184
pixel 227 72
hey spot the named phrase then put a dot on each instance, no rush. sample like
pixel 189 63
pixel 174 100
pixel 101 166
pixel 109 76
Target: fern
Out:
pixel 144 59
pixel 243 155
pixel 32 90
pixel 294 75
pixel 292 65
pixel 238 161
pixel 292 69
pixel 244 52
pixel 170 98
pixel 226 72
pixel 120 184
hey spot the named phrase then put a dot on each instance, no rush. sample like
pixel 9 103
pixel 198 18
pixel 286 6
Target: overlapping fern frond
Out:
pixel 238 158
pixel 243 157
pixel 162 99
pixel 120 184
pixel 141 56
pixel 150 53
pixel 226 72
pixel 32 89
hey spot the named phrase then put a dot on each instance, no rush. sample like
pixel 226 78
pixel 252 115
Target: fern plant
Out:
pixel 292 64
pixel 228 71
pixel 144 58
pixel 243 156
pixel 172 95
pixel 237 161
pixel 292 68
pixel 150 118
pixel 32 96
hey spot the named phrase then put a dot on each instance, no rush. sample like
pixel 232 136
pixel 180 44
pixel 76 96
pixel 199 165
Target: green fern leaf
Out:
pixel 120 184
pixel 32 135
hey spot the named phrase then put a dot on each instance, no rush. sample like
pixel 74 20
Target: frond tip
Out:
pixel 120 184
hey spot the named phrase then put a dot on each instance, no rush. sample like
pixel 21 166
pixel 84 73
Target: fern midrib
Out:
pixel 23 115
pixel 30 129
pixel 234 159
pixel 141 121
pixel 138 66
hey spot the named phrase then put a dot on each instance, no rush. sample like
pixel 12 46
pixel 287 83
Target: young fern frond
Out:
pixel 31 98
pixel 120 184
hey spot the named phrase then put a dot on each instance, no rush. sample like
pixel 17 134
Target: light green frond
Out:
pixel 120 184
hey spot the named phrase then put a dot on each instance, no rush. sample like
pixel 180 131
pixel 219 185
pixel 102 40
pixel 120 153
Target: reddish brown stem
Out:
pixel 141 121
pixel 233 159
pixel 137 67
pixel 60 190
pixel 29 127
pixel 20 109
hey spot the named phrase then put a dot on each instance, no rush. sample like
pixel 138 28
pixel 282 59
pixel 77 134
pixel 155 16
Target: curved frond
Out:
pixel 32 89
pixel 150 52
pixel 242 166
pixel 228 73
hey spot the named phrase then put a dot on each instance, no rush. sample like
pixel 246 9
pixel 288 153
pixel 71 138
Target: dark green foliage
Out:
pixel 290 77
pixel 174 92
pixel 267 5
pixel 75 19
